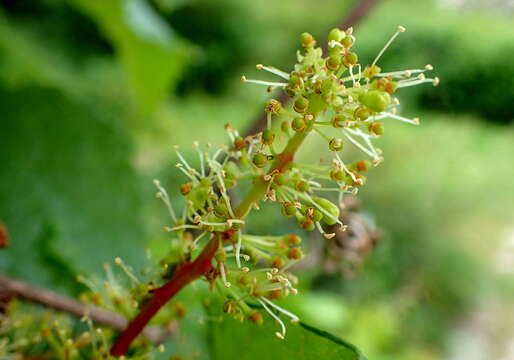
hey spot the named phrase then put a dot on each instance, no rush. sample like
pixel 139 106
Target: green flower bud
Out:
pixel 292 239
pixel 361 166
pixel 186 188
pixel 239 143
pixel 295 82
pixel 335 144
pixel 289 209
pixel 280 179
pixel 347 41
pixel 336 35
pixel 301 105
pixel 220 256
pixel 260 160
pixel 255 317
pixel 329 207
pixel 339 121
pixel 298 124
pixel 277 262
pixel 221 210
pixel 198 196
pixel 231 170
pixel 350 59
pixel 375 100
pixel 268 137
pixel 376 128
pixel 302 186
pixel 307 224
pixel 307 40
pixel 361 113
pixel 332 63
pixel 337 175
pixel 295 253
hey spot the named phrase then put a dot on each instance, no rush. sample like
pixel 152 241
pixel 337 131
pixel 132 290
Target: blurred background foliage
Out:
pixel 93 94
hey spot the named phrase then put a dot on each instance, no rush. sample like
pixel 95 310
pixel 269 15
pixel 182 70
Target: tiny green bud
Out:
pixel 376 128
pixel 302 186
pixel 260 160
pixel 361 113
pixel 337 175
pixel 362 165
pixel 347 41
pixel 307 40
pixel 335 144
pixel 186 188
pixel 289 209
pixel 280 179
pixel 292 239
pixel 221 210
pixel 307 224
pixel 375 100
pixel 221 256
pixel 255 317
pixel 350 59
pixel 268 137
pixel 332 63
pixel 336 35
pixel 338 121
pixel 301 104
pixel 295 81
pixel 298 124
pixel 294 253
pixel 277 262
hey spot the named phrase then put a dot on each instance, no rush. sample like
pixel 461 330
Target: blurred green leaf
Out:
pixel 231 339
pixel 69 196
pixel 150 53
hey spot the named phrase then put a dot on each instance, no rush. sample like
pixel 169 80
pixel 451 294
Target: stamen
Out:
pixel 261 82
pixel 223 275
pixel 238 249
pixel 126 269
pixel 414 121
pixel 165 198
pixel 282 326
pixel 273 70
pixel 399 30
pixel 293 317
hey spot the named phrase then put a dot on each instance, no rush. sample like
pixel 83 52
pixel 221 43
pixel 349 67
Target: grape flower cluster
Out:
pixel 331 93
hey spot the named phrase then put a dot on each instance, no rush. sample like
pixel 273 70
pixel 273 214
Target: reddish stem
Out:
pixel 186 273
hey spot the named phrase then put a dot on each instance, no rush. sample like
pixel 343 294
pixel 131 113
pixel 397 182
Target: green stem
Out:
pixel 281 164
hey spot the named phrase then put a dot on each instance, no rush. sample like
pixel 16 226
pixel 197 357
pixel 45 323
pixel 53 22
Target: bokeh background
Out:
pixel 93 94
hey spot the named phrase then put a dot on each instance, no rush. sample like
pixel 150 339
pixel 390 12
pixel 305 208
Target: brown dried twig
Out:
pixel 10 288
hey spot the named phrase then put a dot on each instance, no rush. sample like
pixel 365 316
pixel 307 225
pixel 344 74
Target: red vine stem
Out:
pixel 186 273
pixel 189 271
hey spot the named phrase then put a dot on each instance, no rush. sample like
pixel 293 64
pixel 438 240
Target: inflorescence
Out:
pixel 331 92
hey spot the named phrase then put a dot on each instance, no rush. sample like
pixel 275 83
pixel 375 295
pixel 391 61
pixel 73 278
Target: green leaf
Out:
pixel 69 195
pixel 231 339
pixel 150 53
